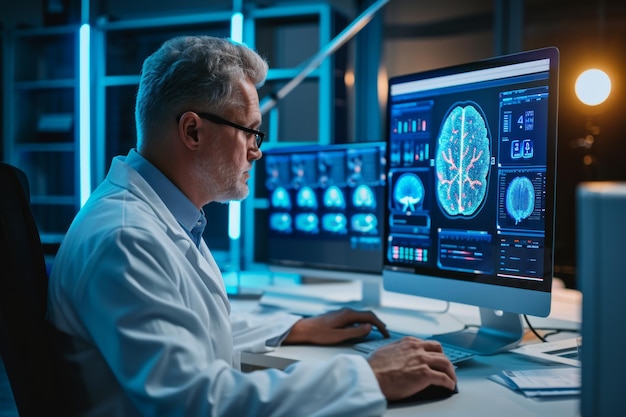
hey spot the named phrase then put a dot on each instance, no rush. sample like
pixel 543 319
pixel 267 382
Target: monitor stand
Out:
pixel 498 331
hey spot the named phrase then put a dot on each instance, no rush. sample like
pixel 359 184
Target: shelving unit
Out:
pixel 314 112
pixel 40 121
pixel 120 47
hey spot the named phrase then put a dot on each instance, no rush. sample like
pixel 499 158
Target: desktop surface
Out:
pixel 476 391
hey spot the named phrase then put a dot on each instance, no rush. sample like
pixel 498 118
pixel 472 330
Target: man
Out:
pixel 140 300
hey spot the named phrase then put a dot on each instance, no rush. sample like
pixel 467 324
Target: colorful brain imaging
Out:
pixel 280 222
pixel 335 223
pixel 462 161
pixel 280 198
pixel 364 197
pixel 520 198
pixel 408 192
pixel 364 223
pixel 306 198
pixel 307 222
pixel 333 198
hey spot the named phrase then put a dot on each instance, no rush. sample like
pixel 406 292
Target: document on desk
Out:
pixel 544 382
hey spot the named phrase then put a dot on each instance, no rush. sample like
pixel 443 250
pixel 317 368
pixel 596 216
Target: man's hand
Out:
pixel 410 365
pixel 335 327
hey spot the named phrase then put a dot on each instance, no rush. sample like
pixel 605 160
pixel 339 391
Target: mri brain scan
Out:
pixel 520 198
pixel 306 198
pixel 333 197
pixel 280 198
pixel 364 197
pixel 462 161
pixel 409 192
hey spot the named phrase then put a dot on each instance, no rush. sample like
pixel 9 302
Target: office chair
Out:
pixel 25 335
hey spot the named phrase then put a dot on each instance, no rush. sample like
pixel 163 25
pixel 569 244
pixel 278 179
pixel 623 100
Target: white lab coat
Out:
pixel 149 324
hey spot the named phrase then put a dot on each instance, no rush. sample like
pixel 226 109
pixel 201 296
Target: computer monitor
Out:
pixel 325 211
pixel 469 213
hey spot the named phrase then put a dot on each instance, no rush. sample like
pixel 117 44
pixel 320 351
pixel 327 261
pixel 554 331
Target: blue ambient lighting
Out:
pixel 234 207
pixel 84 114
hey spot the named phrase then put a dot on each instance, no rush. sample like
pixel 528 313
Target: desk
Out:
pixel 477 395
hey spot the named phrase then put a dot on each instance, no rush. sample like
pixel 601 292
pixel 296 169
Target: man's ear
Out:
pixel 188 130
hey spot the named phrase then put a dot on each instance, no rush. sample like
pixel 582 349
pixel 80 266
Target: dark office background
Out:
pixel 413 35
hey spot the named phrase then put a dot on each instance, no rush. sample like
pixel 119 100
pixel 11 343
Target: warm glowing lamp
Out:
pixel 593 87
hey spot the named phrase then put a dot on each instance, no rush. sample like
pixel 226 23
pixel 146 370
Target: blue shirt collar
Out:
pixel 184 211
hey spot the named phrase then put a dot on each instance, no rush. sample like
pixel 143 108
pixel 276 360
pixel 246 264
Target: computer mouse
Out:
pixel 430 393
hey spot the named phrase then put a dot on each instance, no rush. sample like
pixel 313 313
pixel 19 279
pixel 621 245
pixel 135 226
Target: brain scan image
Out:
pixel 280 198
pixel 334 223
pixel 280 222
pixel 306 198
pixel 334 198
pixel 298 171
pixel 520 198
pixel 355 164
pixel 325 169
pixel 364 197
pixel 307 222
pixel 462 161
pixel 273 176
pixel 364 223
pixel 408 192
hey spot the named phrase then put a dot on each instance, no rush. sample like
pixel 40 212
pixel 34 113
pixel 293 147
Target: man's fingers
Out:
pixel 350 317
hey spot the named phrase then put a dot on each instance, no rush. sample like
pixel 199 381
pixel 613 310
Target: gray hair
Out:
pixel 191 71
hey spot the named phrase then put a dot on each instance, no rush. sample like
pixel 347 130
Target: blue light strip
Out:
pixel 236 27
pixel 234 220
pixel 84 124
pixel 234 207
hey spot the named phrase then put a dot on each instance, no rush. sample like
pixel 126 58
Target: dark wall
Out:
pixel 589 34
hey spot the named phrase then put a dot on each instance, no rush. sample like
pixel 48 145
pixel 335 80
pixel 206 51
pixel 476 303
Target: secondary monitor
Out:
pixel 469 213
pixel 325 211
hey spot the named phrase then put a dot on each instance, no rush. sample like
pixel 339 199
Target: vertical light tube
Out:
pixel 234 207
pixel 236 27
pixel 84 123
pixel 234 220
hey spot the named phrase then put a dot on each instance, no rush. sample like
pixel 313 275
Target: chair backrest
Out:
pixel 25 345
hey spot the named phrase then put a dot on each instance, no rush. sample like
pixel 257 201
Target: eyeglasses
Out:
pixel 258 135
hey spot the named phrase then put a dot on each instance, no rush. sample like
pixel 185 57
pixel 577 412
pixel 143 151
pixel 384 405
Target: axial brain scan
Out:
pixel 520 198
pixel 462 161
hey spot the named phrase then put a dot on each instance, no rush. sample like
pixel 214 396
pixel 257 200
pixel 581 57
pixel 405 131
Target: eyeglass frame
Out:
pixel 258 135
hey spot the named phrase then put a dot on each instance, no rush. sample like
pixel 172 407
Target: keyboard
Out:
pixel 453 353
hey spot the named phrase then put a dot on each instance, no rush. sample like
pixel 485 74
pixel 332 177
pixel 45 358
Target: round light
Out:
pixel 593 87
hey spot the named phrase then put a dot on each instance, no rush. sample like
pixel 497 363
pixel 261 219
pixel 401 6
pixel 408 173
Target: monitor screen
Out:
pixel 325 206
pixel 469 211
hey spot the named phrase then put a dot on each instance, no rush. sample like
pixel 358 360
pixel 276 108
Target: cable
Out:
pixel 552 331
pixel 532 329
